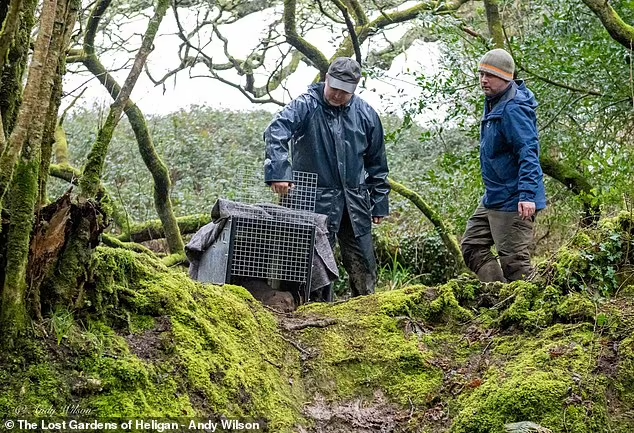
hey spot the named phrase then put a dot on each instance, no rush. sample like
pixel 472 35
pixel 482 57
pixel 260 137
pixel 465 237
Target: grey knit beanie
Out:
pixel 499 63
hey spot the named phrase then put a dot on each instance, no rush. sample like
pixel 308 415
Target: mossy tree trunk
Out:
pixel 18 121
pixel 14 47
pixel 13 312
pixel 154 229
pixel 160 175
pixel 22 157
pixel 13 58
pixel 577 183
pixel 49 133
pixel 496 32
pixel 87 219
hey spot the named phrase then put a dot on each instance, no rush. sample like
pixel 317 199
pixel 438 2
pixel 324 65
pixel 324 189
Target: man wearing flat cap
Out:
pixel 512 174
pixel 334 133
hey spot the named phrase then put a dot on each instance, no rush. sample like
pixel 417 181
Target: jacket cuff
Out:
pixel 527 196
pixel 381 208
pixel 277 171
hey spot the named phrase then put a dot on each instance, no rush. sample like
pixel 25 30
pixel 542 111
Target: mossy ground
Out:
pixel 463 357
pixel 152 343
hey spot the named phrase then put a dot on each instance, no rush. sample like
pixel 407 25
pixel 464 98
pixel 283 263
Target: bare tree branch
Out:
pixel 351 31
pixel 383 58
pixel 292 37
pixel 388 18
pixel 242 67
pixel 327 14
pixel 93 25
pixel 359 13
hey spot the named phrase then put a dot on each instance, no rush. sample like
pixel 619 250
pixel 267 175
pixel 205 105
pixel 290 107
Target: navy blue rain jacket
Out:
pixel 343 145
pixel 509 151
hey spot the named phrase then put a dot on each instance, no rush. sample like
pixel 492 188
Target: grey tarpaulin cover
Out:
pixel 324 269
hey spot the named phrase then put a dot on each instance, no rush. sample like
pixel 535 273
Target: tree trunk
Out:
pixel 160 175
pixel 14 317
pixel 51 42
pixel 12 77
pixel 49 135
pixel 496 31
pixel 23 150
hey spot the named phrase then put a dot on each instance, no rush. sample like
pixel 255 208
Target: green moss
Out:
pixel 542 379
pixel 576 307
pixel 446 302
pixel 376 343
pixel 358 357
pixel 151 342
pixel 221 340
pixel 140 324
pixel 530 308
pixel 595 258
pixel 26 390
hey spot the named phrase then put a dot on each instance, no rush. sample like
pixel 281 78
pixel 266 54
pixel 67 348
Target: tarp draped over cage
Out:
pixel 267 237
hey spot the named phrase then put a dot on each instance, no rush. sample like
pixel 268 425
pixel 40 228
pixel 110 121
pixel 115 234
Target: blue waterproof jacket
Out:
pixel 343 145
pixel 509 151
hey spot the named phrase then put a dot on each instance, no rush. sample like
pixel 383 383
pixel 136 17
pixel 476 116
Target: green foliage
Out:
pixel 61 323
pixel 408 254
pixel 443 166
pixel 395 276
pixel 596 261
pixel 202 148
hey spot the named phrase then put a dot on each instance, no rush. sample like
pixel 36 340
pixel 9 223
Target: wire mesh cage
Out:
pixel 251 190
pixel 267 237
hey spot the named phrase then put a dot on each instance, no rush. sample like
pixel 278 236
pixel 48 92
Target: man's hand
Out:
pixel 281 188
pixel 526 209
pixel 377 220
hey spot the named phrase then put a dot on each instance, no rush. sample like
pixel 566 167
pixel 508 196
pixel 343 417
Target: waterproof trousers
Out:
pixel 511 236
pixel 357 254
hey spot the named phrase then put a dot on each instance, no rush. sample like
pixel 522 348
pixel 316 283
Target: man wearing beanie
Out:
pixel 337 135
pixel 512 174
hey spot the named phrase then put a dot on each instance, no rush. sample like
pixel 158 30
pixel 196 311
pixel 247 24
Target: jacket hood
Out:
pixel 316 91
pixel 523 95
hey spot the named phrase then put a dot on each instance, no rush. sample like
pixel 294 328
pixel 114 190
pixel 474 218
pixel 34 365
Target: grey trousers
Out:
pixel 511 236
pixel 359 261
